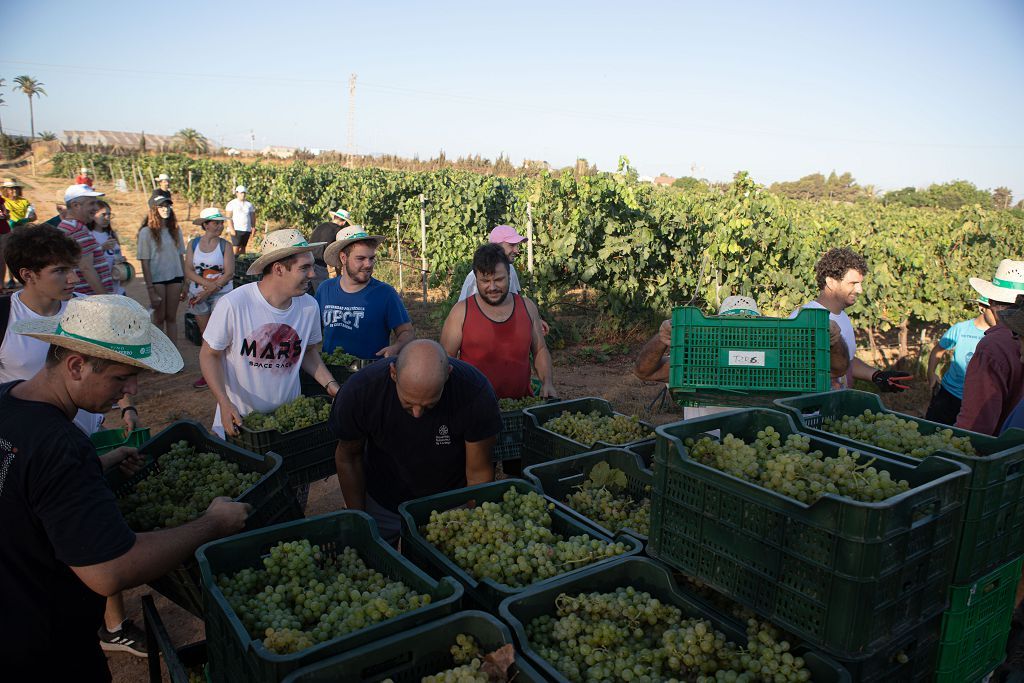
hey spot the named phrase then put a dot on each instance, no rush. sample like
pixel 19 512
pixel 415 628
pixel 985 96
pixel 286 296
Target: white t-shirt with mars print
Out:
pixel 263 348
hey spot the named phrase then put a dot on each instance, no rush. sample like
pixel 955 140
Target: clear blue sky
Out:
pixel 898 93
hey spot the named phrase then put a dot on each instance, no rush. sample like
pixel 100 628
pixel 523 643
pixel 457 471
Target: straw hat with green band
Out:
pixel 346 236
pixel 1006 285
pixel 107 326
pixel 281 244
pixel 210 214
pixel 739 305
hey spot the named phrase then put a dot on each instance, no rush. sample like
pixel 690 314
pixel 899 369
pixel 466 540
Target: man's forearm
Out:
pixel 934 358
pixel 403 338
pixel 479 465
pixel 91 277
pixel 348 460
pixel 213 372
pixel 315 367
pixel 650 362
pixel 861 370
pixel 544 367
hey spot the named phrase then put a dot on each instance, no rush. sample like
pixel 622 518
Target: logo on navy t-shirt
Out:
pixel 273 346
pixel 347 317
pixel 443 438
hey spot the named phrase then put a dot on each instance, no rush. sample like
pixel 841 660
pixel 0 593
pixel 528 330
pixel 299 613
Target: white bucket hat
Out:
pixel 346 236
pixel 278 245
pixel 163 176
pixel 83 170
pixel 738 305
pixel 1006 284
pixel 240 188
pixel 210 214
pixel 342 214
pixel 107 326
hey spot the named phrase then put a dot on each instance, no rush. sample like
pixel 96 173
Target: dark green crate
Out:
pixel 644 575
pixel 908 657
pixel 242 263
pixel 993 519
pixel 419 652
pixel 271 498
pixel 486 593
pixel 192 332
pixel 235 656
pixel 977 624
pixel 509 444
pixel 839 574
pixel 558 478
pixel 645 449
pixel 737 356
pixel 541 445
pixel 178 661
pixel 107 440
pixel 308 452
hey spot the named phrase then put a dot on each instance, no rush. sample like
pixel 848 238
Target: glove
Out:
pixel 888 381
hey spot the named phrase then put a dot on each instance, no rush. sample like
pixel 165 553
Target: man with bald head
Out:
pixel 412 426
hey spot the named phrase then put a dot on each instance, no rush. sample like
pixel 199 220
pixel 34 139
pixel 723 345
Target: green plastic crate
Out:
pixel 178 661
pixel 419 652
pixel 509 444
pixel 993 519
pixel 308 452
pixel 310 387
pixel 644 575
pixel 242 263
pixel 841 575
pixel 107 440
pixel 235 656
pixel 908 657
pixel 192 332
pixel 719 359
pixel 542 445
pixel 977 624
pixel 644 449
pixel 271 498
pixel 558 478
pixel 486 593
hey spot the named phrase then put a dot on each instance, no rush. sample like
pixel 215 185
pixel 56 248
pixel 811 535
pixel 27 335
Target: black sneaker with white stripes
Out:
pixel 129 638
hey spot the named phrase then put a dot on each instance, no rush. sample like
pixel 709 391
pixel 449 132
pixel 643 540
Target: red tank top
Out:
pixel 499 350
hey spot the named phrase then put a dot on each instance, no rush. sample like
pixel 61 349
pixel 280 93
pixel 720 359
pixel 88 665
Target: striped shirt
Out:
pixel 81 234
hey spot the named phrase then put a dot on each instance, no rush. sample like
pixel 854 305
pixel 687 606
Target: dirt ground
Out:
pixel 581 369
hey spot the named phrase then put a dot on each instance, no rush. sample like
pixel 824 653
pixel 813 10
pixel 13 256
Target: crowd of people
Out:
pixel 420 418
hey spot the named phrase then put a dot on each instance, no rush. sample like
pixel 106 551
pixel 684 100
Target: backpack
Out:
pixel 221 242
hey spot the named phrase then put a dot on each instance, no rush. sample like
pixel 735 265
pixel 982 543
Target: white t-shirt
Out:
pixel 241 213
pixel 209 265
pixel 845 329
pixel 263 348
pixel 22 356
pixel 469 286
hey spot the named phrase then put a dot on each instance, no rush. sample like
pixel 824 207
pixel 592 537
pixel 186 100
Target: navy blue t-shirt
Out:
pixel 408 457
pixel 360 323
pixel 56 512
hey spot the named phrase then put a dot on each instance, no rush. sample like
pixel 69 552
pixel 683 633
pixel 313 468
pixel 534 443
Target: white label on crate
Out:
pixel 754 359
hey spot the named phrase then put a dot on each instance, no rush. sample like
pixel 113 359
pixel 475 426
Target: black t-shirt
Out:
pixel 408 457
pixel 325 232
pixel 56 511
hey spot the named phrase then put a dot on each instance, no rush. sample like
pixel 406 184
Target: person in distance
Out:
pixel 961 340
pixel 326 232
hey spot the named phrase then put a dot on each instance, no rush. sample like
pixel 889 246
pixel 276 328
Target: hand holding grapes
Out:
pixel 125 457
pixel 230 418
pixel 228 516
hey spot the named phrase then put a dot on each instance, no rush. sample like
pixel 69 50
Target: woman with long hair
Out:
pixel 105 236
pixel 161 249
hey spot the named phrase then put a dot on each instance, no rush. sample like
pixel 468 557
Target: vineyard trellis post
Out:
pixel 401 266
pixel 423 244
pixel 529 237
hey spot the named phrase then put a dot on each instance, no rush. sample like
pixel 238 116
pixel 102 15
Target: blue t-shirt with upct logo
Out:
pixel 360 323
pixel 963 338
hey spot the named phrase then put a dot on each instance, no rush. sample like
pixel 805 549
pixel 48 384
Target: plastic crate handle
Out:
pixel 923 512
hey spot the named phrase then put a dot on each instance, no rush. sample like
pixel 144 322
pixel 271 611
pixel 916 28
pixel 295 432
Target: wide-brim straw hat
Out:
pixel 739 305
pixel 107 326
pixel 210 214
pixel 1006 285
pixel 10 182
pixel 281 244
pixel 346 236
pixel 342 214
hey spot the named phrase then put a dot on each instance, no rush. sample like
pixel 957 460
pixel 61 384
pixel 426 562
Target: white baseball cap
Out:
pixel 78 191
pixel 241 188
pixel 163 176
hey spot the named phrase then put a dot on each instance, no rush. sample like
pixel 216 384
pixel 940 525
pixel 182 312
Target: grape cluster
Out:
pixel 466 655
pixel 506 404
pixel 303 596
pixel 892 433
pixel 182 487
pixel 628 635
pixel 511 541
pixel 794 470
pixel 593 427
pixel 305 411
pixel 603 498
pixel 338 357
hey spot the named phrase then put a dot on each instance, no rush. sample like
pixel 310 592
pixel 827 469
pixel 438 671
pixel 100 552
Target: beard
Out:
pixel 358 274
pixel 494 299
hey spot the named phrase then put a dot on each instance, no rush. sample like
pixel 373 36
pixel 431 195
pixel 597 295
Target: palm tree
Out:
pixel 2 103
pixel 32 88
pixel 47 135
pixel 191 140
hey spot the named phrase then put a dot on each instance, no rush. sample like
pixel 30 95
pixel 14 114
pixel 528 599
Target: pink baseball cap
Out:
pixel 506 233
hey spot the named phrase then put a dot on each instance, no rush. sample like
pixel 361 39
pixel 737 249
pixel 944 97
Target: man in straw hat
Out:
pixel 260 334
pixel 325 232
pixel 994 383
pixel 360 312
pixel 66 544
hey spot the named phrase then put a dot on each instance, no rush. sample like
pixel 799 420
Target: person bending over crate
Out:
pixel 66 545
pixel 412 426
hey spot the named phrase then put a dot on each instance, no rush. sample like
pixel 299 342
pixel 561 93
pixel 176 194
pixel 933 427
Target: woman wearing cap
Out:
pixel 241 219
pixel 160 250
pixel 105 236
pixel 208 270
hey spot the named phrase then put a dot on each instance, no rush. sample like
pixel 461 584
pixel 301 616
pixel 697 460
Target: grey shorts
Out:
pixel 205 307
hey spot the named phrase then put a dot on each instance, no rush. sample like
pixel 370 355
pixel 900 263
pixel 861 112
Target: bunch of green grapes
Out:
pixel 892 433
pixel 466 655
pixel 302 596
pixel 338 357
pixel 628 635
pixel 603 497
pixel 305 411
pixel 593 427
pixel 182 488
pixel 794 470
pixel 506 404
pixel 511 541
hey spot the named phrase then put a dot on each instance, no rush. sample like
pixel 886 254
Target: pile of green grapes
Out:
pixel 469 666
pixel 604 498
pixel 593 427
pixel 303 596
pixel 898 435
pixel 511 542
pixel 304 411
pixel 793 469
pixel 338 357
pixel 506 404
pixel 628 635
pixel 182 489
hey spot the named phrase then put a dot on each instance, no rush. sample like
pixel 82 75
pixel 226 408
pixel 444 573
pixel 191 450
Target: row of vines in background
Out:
pixel 641 248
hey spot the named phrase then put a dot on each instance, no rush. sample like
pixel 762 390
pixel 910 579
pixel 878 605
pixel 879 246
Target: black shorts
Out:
pixel 241 238
pixel 174 281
